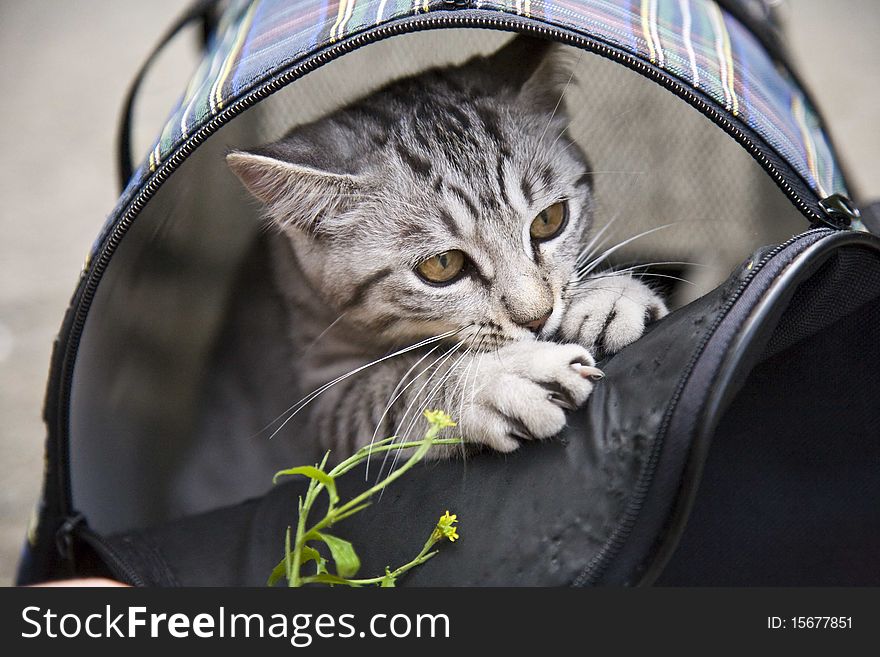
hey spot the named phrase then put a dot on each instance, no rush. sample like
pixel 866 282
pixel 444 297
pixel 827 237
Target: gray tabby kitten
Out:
pixel 448 211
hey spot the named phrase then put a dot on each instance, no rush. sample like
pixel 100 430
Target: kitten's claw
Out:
pixel 593 373
pixel 561 400
pixel 607 313
pixel 523 394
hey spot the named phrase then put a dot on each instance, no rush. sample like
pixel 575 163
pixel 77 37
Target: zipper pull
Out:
pixel 840 211
pixel 64 535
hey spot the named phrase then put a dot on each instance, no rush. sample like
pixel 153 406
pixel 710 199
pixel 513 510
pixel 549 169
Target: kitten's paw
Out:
pixel 521 392
pixel 607 313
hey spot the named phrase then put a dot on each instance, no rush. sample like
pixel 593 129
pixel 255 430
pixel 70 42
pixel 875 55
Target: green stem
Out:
pixel 312 492
pixel 422 447
pixel 335 513
pixel 378 448
pixel 421 558
pixel 294 574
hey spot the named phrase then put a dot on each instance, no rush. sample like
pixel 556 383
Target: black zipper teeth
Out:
pixel 111 558
pixel 598 563
pixel 463 18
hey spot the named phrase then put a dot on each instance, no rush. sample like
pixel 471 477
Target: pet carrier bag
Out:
pixel 736 442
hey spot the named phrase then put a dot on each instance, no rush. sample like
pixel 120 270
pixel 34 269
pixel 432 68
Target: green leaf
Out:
pixel 277 572
pixel 326 578
pixel 311 554
pixel 344 556
pixel 313 473
pixel 288 555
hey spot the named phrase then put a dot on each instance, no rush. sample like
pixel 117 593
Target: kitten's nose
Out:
pixel 536 325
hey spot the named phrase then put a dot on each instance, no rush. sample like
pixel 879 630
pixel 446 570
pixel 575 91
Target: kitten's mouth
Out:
pixel 489 335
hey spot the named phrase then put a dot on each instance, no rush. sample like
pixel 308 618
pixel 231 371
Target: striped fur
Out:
pixel 463 158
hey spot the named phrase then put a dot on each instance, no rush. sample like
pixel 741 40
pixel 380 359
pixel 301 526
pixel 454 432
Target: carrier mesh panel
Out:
pixel 657 161
pixel 828 296
pixel 152 336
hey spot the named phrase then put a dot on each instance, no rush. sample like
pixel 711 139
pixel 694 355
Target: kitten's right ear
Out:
pixel 296 196
pixel 518 61
pixel 538 69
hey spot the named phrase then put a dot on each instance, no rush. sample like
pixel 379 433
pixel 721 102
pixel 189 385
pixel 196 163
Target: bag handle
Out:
pixel 198 10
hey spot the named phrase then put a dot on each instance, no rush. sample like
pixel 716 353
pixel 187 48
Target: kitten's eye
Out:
pixel 443 267
pixel 549 222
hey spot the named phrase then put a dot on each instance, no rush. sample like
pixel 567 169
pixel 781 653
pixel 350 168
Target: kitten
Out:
pixel 448 211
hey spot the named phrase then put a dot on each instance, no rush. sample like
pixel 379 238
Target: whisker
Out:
pixel 670 276
pixel 302 403
pixel 417 416
pixel 476 371
pixel 474 387
pixel 594 263
pixel 587 251
pixel 561 97
pixel 428 400
pixel 659 263
pixel 467 373
pixel 436 367
pixel 561 132
pixel 398 391
pixel 618 171
pixel 618 291
pixel 323 333
pixel 625 269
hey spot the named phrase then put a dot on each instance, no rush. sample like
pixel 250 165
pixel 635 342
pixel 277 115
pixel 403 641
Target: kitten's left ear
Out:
pixel 296 196
pixel 538 68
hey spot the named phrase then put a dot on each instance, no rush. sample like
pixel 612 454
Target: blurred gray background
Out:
pixel 66 68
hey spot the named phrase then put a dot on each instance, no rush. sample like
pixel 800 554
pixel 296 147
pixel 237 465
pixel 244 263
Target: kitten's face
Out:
pixel 487 251
pixel 451 201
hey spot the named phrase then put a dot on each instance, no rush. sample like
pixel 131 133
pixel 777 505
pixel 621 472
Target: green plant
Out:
pixel 300 545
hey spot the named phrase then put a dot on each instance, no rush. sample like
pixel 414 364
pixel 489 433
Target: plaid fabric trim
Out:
pixel 693 40
pixel 703 46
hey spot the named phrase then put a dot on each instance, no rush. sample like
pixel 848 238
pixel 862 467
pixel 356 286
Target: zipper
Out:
pixel 619 536
pixel 795 190
pixel 75 528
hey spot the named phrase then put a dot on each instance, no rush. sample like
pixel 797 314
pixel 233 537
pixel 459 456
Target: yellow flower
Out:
pixel 445 529
pixel 439 419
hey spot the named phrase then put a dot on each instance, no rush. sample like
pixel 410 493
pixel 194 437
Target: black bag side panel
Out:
pixel 654 524
pixel 790 489
pixel 537 517
pixel 522 522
